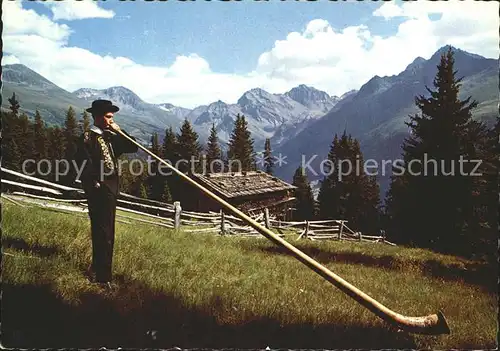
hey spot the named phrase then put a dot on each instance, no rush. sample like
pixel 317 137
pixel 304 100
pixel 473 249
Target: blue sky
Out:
pixel 195 52
pixel 231 36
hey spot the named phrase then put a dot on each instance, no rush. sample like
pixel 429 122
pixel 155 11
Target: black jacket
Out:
pixel 98 152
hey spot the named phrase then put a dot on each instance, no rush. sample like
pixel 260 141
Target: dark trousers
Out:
pixel 102 212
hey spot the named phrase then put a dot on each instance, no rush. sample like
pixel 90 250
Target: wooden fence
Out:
pixel 72 200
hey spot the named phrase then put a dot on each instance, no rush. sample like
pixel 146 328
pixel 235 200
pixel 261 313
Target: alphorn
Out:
pixel 433 324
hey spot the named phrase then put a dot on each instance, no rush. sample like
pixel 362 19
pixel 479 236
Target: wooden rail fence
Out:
pixel 72 200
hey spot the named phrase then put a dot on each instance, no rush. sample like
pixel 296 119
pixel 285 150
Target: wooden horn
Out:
pixel 433 324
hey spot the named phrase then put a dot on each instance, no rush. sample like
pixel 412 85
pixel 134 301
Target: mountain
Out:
pixel 223 116
pixel 299 122
pixel 125 98
pixel 375 114
pixel 317 101
pixel 131 105
pixel 23 76
pixel 276 116
pixel 180 112
pixel 270 109
pixel 36 92
pixel 312 98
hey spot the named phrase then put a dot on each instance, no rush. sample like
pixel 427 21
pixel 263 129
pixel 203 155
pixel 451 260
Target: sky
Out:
pixel 191 53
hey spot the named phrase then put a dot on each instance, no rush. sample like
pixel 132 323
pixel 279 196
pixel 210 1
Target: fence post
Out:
pixel 305 232
pixel 266 218
pixel 222 223
pixel 383 235
pixel 359 238
pixel 341 229
pixel 177 215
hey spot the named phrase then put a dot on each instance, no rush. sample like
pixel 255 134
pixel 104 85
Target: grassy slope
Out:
pixel 193 290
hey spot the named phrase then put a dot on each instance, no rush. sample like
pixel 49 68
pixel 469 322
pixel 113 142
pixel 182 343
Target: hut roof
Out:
pixel 236 184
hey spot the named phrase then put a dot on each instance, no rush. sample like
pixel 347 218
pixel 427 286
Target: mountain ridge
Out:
pixel 375 115
pixel 300 121
pixel 266 112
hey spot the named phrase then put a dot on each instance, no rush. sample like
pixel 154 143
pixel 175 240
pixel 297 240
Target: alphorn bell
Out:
pixel 433 324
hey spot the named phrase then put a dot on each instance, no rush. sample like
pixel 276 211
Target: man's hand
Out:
pixel 114 126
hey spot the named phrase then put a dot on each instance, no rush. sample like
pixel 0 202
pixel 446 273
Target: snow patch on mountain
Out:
pixel 276 116
pixel 180 112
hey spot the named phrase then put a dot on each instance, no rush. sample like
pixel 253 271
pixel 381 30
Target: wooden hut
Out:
pixel 250 192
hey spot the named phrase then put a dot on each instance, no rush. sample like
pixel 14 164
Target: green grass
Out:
pixel 203 290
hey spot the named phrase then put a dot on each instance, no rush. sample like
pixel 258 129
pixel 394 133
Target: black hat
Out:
pixel 102 106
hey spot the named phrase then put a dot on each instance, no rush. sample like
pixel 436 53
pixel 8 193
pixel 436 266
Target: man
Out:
pixel 98 151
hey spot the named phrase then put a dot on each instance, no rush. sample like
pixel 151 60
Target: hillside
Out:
pixel 196 290
pixel 132 105
pixel 267 114
pixel 36 92
pixel 299 122
pixel 276 116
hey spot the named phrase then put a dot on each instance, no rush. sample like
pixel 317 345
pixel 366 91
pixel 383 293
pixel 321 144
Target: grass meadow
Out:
pixel 207 291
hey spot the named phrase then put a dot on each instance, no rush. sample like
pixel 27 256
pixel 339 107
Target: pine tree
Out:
pixel 441 134
pixel 169 148
pixel 56 149
pixel 304 199
pixel 14 105
pixel 347 192
pixel 155 180
pixel 134 178
pixel 127 179
pixel 189 153
pixel 214 153
pixel 188 148
pixel 330 189
pixel 241 145
pixel 155 145
pixel 24 137
pixel 85 121
pixel 364 194
pixel 40 136
pixel 70 133
pixel 324 198
pixel 170 154
pixel 11 155
pixel 483 233
pixel 143 192
pixel 166 195
pixel 156 149
pixel 268 157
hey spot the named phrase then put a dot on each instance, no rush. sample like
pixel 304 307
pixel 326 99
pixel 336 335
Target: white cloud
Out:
pixel 10 60
pixel 329 59
pixel 389 10
pixel 337 61
pixel 188 81
pixel 469 25
pixel 192 65
pixel 75 10
pixel 19 21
